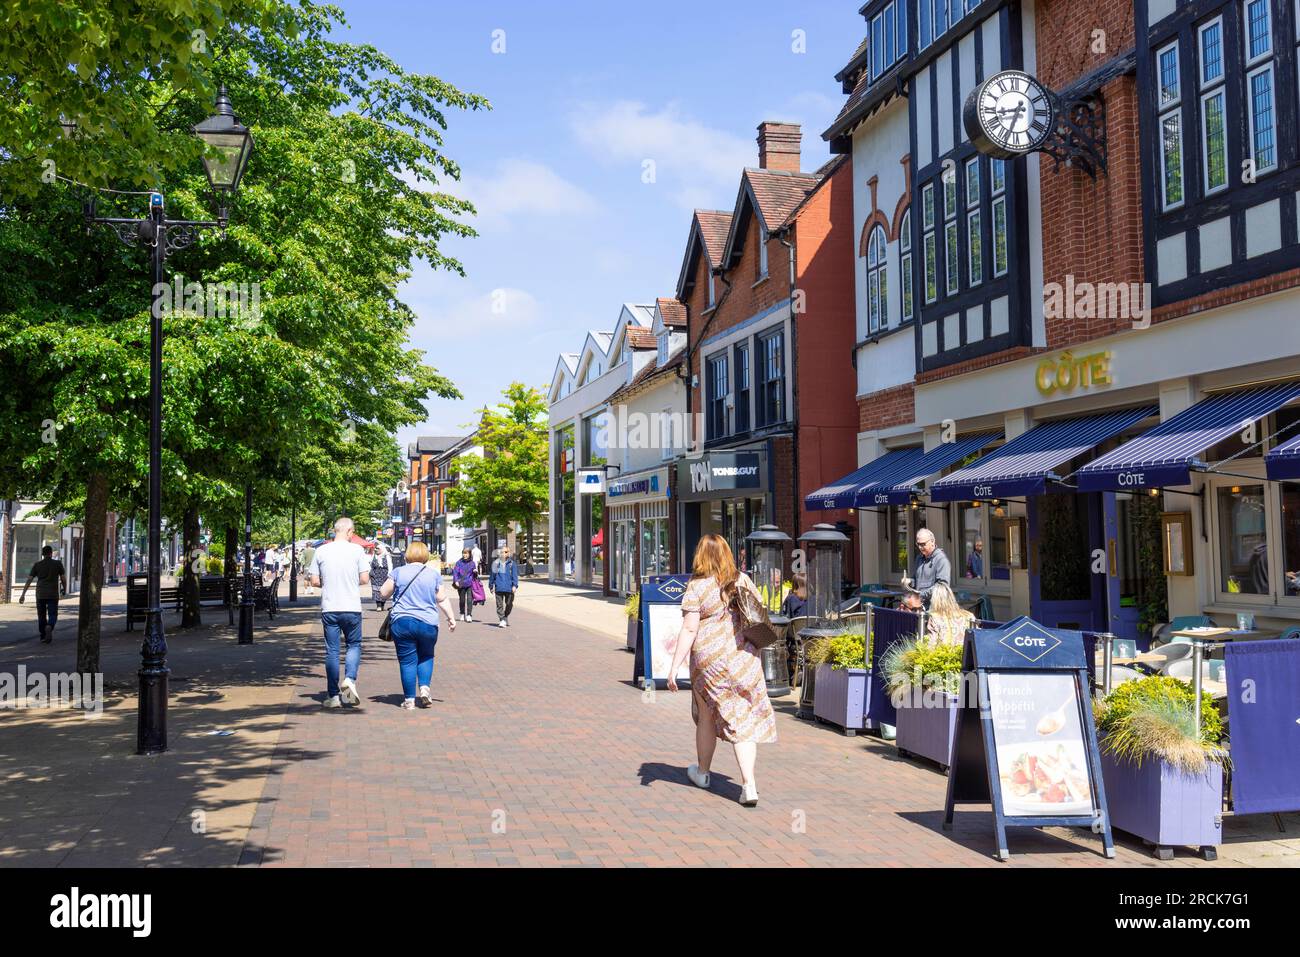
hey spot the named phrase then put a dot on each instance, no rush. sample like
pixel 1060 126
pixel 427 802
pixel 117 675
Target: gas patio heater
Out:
pixel 769 575
pixel 823 547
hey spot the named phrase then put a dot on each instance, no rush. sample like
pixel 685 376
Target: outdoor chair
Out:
pixel 1176 651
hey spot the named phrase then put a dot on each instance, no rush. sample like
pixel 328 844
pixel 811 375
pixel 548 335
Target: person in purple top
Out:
pixel 418 595
pixel 463 574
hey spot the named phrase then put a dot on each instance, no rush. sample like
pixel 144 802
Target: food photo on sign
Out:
pixel 1042 760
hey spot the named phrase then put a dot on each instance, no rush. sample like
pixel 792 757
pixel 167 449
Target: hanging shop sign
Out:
pixel 639 487
pixel 1068 373
pixel 591 481
pixel 1027 745
pixel 659 627
pixel 720 475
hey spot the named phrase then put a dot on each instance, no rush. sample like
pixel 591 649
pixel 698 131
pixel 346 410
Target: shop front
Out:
pixel 723 493
pixel 641 528
pixel 1142 493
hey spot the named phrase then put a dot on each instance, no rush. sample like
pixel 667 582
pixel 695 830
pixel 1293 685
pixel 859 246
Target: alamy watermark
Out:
pixel 1098 300
pixel 213 300
pixel 73 690
pixel 619 428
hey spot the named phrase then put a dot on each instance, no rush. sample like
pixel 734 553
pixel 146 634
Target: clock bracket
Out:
pixel 1079 139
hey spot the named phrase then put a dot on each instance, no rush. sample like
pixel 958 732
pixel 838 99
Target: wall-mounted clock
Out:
pixel 1009 114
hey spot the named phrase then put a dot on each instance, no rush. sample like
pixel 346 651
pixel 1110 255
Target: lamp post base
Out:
pixel 246 622
pixel 151 723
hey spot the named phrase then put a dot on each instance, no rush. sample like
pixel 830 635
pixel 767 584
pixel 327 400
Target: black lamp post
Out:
pixel 233 143
pixel 246 593
pixel 293 553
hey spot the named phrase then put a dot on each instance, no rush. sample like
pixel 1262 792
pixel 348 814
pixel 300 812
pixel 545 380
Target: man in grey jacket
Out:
pixel 932 567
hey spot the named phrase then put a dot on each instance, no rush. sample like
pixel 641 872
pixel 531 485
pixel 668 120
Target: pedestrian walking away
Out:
pixel 504 582
pixel 729 693
pixel 51 580
pixel 477 554
pixel 305 558
pixel 418 595
pixel 339 569
pixel 381 566
pixel 931 568
pixel 464 575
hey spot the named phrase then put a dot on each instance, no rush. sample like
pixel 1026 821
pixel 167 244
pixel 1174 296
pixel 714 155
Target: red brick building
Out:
pixel 768 290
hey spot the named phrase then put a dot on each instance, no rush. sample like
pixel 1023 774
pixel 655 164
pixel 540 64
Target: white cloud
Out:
pixel 524 187
pixel 691 159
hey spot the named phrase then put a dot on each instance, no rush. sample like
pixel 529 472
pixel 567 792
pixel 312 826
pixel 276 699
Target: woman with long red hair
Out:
pixel 727 683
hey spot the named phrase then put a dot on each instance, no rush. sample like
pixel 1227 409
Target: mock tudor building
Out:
pixel 1104 370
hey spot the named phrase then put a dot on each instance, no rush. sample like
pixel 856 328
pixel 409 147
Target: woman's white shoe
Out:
pixel 748 795
pixel 699 778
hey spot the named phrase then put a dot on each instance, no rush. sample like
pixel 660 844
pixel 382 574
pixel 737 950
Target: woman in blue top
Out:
pixel 414 621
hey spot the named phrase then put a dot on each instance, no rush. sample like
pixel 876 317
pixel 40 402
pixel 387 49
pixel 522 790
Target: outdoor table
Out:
pixel 1209 639
pixel 885 594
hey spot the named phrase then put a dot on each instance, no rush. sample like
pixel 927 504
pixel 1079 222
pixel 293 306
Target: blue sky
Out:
pixel 583 95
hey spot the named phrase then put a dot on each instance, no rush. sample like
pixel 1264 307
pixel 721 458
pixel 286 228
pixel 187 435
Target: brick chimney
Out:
pixel 778 146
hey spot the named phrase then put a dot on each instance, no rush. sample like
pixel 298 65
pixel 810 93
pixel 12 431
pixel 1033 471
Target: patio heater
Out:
pixel 769 575
pixel 823 547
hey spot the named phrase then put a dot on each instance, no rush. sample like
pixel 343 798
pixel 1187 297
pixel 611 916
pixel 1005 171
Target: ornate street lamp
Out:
pixel 233 143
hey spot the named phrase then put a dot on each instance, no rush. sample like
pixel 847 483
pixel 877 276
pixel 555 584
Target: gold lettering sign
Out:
pixel 1066 373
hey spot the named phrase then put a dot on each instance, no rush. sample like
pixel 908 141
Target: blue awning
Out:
pixel 1025 464
pixel 843 494
pixel 902 482
pixel 1284 461
pixel 1167 453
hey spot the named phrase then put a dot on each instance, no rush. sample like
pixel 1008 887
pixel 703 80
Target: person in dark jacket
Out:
pixel 504 582
pixel 463 574
pixel 796 603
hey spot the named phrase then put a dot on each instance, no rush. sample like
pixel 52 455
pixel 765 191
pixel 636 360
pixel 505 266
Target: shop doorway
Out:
pixel 1065 533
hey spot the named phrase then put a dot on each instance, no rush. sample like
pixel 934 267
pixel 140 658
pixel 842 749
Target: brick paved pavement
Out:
pixel 536 730
pixel 538 751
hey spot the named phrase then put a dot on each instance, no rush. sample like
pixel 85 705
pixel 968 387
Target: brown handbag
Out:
pixel 754 625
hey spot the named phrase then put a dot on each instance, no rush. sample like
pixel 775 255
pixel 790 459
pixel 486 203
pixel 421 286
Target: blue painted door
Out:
pixel 1065 535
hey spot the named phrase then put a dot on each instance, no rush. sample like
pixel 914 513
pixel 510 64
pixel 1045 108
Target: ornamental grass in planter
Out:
pixel 1163 776
pixel 923 678
pixel 840 688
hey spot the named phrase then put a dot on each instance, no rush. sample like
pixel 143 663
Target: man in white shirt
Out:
pixel 477 554
pixel 339 569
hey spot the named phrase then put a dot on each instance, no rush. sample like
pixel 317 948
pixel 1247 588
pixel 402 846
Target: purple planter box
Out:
pixel 927 732
pixel 840 697
pixel 1163 805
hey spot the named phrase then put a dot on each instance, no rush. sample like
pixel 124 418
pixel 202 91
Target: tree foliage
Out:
pixel 508 482
pixel 298 395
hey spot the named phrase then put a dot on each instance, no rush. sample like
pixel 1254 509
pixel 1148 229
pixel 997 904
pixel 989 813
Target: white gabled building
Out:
pixel 580 390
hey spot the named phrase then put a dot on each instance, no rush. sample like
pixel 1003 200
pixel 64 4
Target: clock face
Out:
pixel 1012 114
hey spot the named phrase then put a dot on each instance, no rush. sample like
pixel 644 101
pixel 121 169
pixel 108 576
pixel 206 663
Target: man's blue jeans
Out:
pixel 414 641
pixel 47 613
pixel 349 624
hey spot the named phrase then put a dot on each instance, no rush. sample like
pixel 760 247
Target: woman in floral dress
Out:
pixel 726 675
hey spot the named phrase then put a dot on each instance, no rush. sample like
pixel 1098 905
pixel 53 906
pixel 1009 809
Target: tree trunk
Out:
pixel 232 552
pixel 190 616
pixel 90 601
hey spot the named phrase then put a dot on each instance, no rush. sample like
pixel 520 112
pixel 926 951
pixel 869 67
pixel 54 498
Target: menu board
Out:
pixel 1026 744
pixel 1042 760
pixel 664 622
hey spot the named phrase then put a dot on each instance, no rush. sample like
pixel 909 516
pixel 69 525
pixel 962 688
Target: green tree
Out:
pixel 298 396
pixel 508 482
